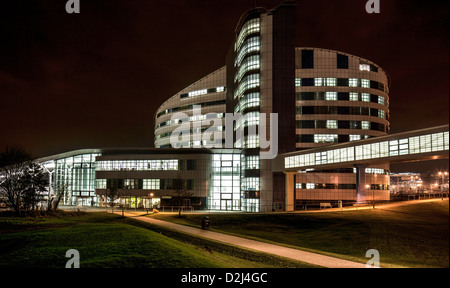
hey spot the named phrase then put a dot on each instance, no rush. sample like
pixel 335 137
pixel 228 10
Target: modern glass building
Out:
pixel 320 97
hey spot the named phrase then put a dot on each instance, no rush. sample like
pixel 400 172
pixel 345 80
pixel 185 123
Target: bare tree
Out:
pixel 34 185
pixel 13 163
pixel 112 194
pixel 181 193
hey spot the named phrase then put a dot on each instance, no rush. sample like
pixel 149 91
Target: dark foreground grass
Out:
pixel 414 235
pixel 110 241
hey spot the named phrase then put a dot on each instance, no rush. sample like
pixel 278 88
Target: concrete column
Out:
pixel 290 189
pixel 360 182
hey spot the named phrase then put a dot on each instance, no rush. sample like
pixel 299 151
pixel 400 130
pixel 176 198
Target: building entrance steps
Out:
pixel 295 254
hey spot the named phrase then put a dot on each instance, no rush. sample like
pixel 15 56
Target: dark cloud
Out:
pixel 95 79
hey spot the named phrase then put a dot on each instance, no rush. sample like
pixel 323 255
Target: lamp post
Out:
pixel 150 198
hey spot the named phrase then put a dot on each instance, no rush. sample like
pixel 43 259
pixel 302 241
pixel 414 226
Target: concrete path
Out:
pixel 295 254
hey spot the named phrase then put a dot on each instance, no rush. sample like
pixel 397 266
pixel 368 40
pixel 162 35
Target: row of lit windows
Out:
pixel 188 107
pixel 137 165
pixel 84 158
pixel 202 92
pixel 248 82
pixel 250 27
pixel 341 96
pixel 192 118
pixel 214 143
pixel 324 186
pixel 340 110
pixel 251 45
pixel 250 63
pixel 328 138
pixel 418 144
pixel 319 186
pixel 248 101
pixel 146 184
pixel 307 57
pixel 250 183
pixel 320 155
pixel 338 124
pixel 340 82
pixel 193 131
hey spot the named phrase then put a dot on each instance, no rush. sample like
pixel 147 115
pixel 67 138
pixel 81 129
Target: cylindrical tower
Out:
pixel 207 94
pixel 339 98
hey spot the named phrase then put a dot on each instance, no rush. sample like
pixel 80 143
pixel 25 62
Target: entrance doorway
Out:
pixel 226 205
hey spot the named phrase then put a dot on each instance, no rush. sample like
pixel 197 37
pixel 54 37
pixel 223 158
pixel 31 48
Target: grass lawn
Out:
pixel 110 241
pixel 414 235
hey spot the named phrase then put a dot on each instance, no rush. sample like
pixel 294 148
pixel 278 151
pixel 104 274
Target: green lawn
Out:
pixel 110 241
pixel 406 236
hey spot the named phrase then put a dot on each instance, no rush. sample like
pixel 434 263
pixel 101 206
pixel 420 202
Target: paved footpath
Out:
pixel 295 254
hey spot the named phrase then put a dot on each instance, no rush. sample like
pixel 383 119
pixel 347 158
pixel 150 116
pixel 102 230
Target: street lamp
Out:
pixel 150 198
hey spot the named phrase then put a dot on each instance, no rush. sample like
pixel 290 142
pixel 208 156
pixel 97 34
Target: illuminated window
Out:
pixel 321 158
pixel 332 124
pixel 126 165
pixel 365 83
pixel 318 82
pixel 325 138
pixel 251 119
pixel 248 82
pixel 353 82
pixel 250 63
pixel 250 27
pixel 310 186
pixel 355 137
pixel 252 162
pixel 365 125
pixel 364 67
pixel 151 184
pixel 251 183
pixel 365 97
pixel 331 96
pixel 100 183
pixel 250 100
pixel 250 45
pixel 354 96
pixel 251 141
pixel 331 81
pixel 198 93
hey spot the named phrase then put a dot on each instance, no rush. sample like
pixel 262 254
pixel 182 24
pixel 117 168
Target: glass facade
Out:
pixel 411 145
pixel 225 191
pixel 247 81
pixel 77 174
pixel 141 165
pixel 341 82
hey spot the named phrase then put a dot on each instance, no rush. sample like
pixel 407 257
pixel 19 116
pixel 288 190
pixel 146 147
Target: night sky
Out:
pixel 95 79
